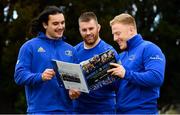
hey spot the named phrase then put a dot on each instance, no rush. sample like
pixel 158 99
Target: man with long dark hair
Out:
pixel 34 69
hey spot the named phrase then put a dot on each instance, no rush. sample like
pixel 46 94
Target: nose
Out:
pixel 88 32
pixel 61 26
pixel 115 38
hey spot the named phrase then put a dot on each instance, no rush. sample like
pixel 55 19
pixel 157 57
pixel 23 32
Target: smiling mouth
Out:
pixel 60 31
pixel 120 42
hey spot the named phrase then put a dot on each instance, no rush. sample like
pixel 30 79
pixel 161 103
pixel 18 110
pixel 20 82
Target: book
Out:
pixel 88 75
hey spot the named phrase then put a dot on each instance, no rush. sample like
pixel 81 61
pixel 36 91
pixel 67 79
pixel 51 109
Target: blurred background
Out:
pixel 157 20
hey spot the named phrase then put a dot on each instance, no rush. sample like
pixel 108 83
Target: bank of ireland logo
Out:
pixel 68 52
pixel 156 57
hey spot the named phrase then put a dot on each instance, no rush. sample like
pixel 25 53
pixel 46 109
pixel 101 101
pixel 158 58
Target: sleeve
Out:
pixel 154 68
pixel 23 74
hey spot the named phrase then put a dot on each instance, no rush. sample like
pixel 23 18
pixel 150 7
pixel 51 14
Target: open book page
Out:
pixel 89 75
pixel 95 70
pixel 71 75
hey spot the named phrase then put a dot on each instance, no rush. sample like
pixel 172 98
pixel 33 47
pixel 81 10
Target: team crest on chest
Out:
pixel 132 57
pixel 68 52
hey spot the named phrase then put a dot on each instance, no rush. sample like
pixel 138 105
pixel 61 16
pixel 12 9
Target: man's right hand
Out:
pixel 48 74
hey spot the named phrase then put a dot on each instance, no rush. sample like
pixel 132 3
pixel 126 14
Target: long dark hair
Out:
pixel 36 25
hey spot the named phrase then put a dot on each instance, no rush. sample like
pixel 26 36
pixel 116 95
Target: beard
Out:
pixel 90 39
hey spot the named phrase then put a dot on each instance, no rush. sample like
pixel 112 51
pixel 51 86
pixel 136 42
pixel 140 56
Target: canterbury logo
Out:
pixel 41 49
pixel 68 53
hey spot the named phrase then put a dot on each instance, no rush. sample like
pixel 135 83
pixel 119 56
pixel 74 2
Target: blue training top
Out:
pixel 97 101
pixel 145 66
pixel 34 57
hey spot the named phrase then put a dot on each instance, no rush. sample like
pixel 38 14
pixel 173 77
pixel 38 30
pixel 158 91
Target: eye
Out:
pixel 91 28
pixel 55 23
pixel 63 22
pixel 117 33
pixel 83 30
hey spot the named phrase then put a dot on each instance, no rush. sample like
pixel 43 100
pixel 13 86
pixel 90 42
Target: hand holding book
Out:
pixel 117 70
pixel 74 93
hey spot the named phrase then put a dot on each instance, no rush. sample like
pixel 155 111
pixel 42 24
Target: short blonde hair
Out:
pixel 124 18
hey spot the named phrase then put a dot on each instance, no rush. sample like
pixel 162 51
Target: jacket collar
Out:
pixel 134 41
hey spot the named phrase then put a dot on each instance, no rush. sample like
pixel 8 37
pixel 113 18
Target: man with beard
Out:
pixel 34 68
pixel 102 100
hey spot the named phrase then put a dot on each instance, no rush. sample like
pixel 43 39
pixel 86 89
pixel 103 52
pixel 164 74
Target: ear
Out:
pixel 44 25
pixel 99 27
pixel 131 29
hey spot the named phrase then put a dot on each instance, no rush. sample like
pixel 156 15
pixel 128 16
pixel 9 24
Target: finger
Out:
pixel 72 96
pixel 50 73
pixel 114 64
pixel 75 92
pixel 113 73
pixel 47 75
pixel 70 93
pixel 111 70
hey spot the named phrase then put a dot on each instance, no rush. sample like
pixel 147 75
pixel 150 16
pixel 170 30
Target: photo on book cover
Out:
pixel 88 75
pixel 95 70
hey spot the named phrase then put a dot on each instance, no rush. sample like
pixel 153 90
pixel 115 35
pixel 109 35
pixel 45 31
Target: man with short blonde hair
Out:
pixel 124 19
pixel 142 69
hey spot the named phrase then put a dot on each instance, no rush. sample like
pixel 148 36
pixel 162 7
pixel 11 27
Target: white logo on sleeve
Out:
pixel 156 57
